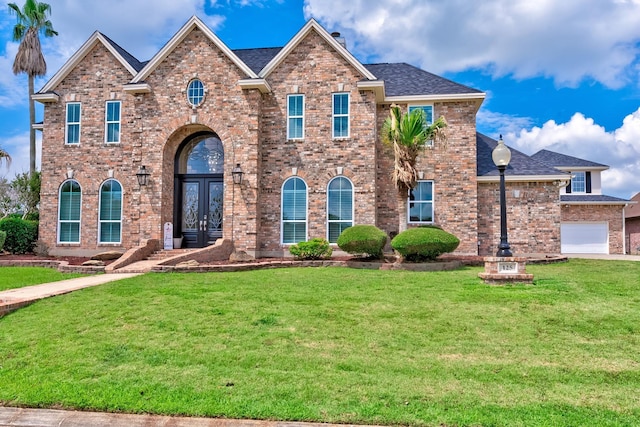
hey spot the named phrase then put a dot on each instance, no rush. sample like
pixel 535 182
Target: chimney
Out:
pixel 336 35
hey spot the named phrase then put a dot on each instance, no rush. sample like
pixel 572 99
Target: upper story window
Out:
pixel 112 122
pixel 578 182
pixel 421 202
pixel 72 128
pixel 195 92
pixel 340 115
pixel 428 115
pixel 69 204
pixel 295 116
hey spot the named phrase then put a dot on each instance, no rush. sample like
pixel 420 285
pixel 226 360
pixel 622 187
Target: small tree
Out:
pixel 26 188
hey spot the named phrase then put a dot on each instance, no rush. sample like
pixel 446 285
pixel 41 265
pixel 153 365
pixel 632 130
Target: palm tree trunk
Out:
pixel 402 211
pixel 32 131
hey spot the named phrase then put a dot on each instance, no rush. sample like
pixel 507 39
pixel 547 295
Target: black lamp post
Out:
pixel 501 156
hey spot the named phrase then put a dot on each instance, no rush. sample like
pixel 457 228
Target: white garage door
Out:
pixel 580 238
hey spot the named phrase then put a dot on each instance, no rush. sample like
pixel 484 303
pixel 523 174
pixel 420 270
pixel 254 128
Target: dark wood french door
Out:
pixel 200 209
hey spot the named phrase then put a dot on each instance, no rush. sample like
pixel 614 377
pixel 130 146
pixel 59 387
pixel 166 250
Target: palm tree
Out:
pixel 32 20
pixel 4 155
pixel 408 133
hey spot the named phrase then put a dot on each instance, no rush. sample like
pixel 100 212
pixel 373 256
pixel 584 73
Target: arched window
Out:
pixel 339 207
pixel 110 213
pixel 294 211
pixel 69 203
pixel 203 154
pixel 195 92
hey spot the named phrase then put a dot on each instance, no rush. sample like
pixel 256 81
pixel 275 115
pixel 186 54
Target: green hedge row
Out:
pixel 21 235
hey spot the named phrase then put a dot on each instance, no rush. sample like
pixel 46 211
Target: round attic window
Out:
pixel 195 92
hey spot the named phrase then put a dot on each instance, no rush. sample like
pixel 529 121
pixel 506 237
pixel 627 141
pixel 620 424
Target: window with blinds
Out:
pixel 339 207
pixel 72 128
pixel 421 202
pixel 110 220
pixel 69 203
pixel 112 122
pixel 295 116
pixel 294 211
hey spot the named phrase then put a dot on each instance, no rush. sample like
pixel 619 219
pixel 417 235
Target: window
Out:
pixel 110 212
pixel 195 92
pixel 69 204
pixel 295 116
pixel 578 182
pixel 340 115
pixel 421 202
pixel 73 123
pixel 112 122
pixel 294 211
pixel 339 207
pixel 428 114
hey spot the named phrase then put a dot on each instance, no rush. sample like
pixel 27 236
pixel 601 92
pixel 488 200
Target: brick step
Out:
pixel 162 254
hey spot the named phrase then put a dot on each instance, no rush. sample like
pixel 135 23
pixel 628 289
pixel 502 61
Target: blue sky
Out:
pixel 564 76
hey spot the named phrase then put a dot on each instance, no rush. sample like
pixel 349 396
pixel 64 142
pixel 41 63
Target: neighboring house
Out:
pixel 632 226
pixel 591 222
pixel 300 122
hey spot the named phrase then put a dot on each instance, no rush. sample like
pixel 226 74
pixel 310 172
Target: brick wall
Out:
pixel 632 230
pixel 612 214
pixel 533 217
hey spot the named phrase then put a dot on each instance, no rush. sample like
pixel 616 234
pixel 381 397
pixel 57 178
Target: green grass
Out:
pixel 339 345
pixel 17 277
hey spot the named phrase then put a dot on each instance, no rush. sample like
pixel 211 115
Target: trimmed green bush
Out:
pixel 424 243
pixel 366 240
pixel 21 235
pixel 316 248
pixel 3 237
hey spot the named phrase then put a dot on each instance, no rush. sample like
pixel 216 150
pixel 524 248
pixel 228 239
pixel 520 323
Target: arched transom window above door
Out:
pixel 202 155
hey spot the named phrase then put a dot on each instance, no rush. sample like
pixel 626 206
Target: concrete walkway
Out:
pixel 50 417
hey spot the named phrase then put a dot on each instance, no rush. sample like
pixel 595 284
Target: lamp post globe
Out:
pixel 501 156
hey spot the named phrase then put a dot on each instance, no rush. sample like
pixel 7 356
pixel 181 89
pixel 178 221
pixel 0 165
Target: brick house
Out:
pixel 632 226
pixel 299 122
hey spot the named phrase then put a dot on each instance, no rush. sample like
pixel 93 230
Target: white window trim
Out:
pixel 334 116
pixel 584 182
pixel 67 123
pixel 204 93
pixel 306 218
pixel 100 242
pixel 433 114
pixel 353 212
pixel 289 137
pixel 79 221
pixel 107 122
pixel 433 204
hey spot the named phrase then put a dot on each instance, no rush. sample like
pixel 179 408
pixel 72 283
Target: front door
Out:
pixel 201 211
pixel 199 190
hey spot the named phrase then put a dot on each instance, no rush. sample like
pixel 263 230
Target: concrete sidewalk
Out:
pixel 13 299
pixel 24 417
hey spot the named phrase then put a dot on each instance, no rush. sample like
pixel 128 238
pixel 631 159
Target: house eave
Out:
pixel 581 168
pixel 478 98
pixel 377 86
pixel 136 88
pixel 45 98
pixel 261 84
pixel 524 178
pixel 595 203
pixel 37 126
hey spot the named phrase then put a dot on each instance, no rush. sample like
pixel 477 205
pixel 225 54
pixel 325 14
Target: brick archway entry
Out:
pixel 199 189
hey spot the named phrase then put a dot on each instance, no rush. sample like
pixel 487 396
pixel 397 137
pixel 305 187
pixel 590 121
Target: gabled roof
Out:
pixel 125 58
pixel 312 25
pixel 562 161
pixel 403 80
pixel 193 23
pixel 521 166
pixel 633 211
pixel 257 58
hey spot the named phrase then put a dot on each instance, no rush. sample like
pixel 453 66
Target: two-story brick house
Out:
pixel 300 123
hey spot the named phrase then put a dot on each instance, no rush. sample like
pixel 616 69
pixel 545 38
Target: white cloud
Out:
pixel 18 148
pixel 569 40
pixel 583 138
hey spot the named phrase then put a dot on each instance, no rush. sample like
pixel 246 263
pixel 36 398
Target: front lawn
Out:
pixel 339 345
pixel 18 277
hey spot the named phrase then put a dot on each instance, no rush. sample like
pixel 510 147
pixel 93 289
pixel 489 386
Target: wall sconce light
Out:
pixel 70 173
pixel 237 173
pixel 142 175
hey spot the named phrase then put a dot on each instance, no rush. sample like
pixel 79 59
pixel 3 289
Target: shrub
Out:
pixel 316 248
pixel 424 243
pixel 3 237
pixel 21 235
pixel 363 240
